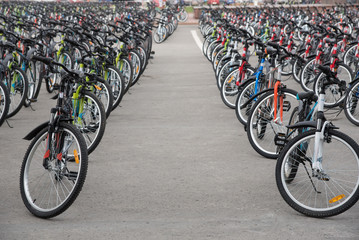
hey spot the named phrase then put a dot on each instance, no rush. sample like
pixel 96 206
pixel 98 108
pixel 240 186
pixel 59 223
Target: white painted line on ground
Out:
pixel 196 39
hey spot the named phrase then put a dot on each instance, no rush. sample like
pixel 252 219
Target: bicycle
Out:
pixel 317 172
pixel 55 165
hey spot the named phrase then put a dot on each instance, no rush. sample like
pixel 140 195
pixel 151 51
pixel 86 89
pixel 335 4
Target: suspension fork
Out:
pixel 319 136
pixel 50 131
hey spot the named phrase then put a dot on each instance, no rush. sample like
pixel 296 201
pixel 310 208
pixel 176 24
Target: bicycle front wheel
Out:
pixel 231 86
pixel 90 119
pixel 126 69
pixel 351 108
pixel 4 102
pixel 32 81
pixel 334 94
pixel 114 78
pixel 319 196
pixel 49 186
pixel 17 84
pixel 262 126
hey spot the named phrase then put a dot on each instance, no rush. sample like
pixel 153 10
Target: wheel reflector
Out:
pixel 230 80
pixel 76 156
pixel 337 198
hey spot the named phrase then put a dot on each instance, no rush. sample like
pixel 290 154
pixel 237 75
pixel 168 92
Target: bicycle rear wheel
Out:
pixel 230 89
pixel 48 191
pixel 318 196
pixel 33 83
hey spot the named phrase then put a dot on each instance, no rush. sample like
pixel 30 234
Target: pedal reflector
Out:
pixel 337 198
pixel 98 88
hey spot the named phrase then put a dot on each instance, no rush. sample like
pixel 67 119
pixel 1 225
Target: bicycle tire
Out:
pixel 125 67
pixel 136 65
pixel 115 79
pixel 15 86
pixel 65 173
pixel 334 95
pixel 338 163
pixel 351 103
pixel 245 93
pixel 4 102
pixel 91 122
pixel 32 80
pixel 261 116
pixel 104 94
pixel 230 90
pixel 308 75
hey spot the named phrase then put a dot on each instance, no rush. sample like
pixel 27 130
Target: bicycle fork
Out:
pixel 317 167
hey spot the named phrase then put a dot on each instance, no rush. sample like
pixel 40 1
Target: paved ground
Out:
pixel 174 164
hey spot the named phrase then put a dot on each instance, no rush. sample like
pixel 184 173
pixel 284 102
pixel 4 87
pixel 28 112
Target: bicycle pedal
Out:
pixel 55 97
pixel 93 127
pixel 280 139
pixel 153 52
pixel 321 176
pixel 286 106
pixel 33 100
pixel 71 175
pixel 151 57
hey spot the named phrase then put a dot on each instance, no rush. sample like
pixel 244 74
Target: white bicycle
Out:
pixel 317 172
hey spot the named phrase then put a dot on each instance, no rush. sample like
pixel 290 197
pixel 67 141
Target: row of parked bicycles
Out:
pixel 261 57
pixel 169 17
pixel 88 56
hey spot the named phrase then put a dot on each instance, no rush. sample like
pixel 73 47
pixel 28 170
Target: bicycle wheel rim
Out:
pixel 17 85
pixel 31 77
pixel 90 120
pixel 262 127
pixel 114 80
pixel 29 178
pixel 334 95
pixel 338 171
pixel 4 102
pixel 351 104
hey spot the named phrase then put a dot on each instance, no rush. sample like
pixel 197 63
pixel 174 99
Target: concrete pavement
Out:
pixel 174 163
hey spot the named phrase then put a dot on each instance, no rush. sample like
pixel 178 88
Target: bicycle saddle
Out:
pixel 307 95
pixel 271 51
